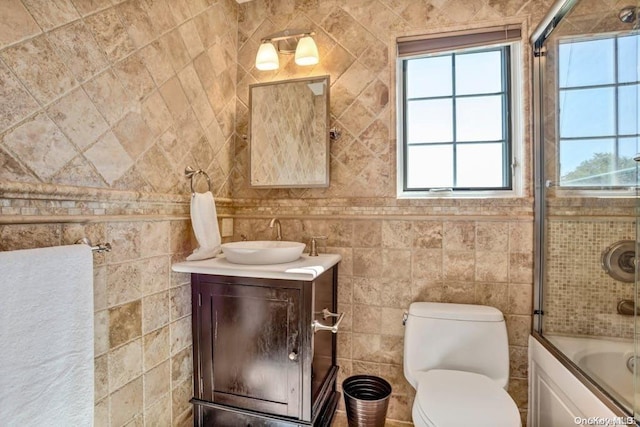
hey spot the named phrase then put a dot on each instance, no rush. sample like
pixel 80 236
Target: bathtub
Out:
pixel 561 395
pixel 605 361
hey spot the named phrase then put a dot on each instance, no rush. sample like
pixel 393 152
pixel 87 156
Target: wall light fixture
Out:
pixel 299 42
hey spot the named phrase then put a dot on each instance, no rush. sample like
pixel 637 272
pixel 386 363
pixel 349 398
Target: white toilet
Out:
pixel 456 356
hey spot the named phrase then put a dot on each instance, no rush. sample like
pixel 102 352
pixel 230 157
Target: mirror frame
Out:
pixel 325 140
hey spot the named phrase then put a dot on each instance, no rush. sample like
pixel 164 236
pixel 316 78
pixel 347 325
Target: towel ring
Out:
pixel 191 173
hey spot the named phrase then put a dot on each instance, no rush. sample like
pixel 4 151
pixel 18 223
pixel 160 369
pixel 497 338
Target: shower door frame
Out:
pixel 538 39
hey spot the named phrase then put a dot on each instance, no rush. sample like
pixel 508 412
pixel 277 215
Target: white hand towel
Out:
pixel 46 331
pixel 204 221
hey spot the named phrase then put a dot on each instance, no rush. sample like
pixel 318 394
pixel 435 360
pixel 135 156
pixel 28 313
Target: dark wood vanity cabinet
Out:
pixel 257 360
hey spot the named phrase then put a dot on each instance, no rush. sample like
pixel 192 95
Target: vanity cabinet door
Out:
pixel 249 345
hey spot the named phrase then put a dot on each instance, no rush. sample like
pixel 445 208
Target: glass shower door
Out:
pixel 588 208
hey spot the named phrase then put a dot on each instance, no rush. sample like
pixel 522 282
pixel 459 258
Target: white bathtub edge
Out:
pixel 556 396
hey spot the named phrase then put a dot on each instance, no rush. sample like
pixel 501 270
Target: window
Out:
pixel 455 114
pixel 598 88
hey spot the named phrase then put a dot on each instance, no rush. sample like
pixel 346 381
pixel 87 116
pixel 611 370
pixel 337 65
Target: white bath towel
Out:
pixel 46 331
pixel 204 221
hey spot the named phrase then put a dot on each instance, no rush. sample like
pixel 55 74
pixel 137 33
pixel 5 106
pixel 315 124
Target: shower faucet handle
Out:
pixel 314 247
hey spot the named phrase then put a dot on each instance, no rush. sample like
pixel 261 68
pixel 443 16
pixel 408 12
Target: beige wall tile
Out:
pixel 101 332
pixel 180 299
pixel 40 68
pixel 396 265
pixel 155 169
pixel 181 394
pixel 182 366
pixel 125 364
pixel 101 413
pixel 155 114
pixel 396 234
pixel 125 323
pixel 155 309
pixel 519 328
pixel 492 267
pixel 159 414
pixel 78 118
pixel 40 144
pixel 29 236
pixel 101 377
pixel 16 23
pixel 123 283
pixel 127 402
pixel 518 362
pixel 428 234
pixel 157 383
pixel 459 266
pixel 180 334
pixel 492 236
pixel 459 235
pixel 51 13
pixel 191 39
pixel 109 158
pixel 134 77
pixel 155 347
pixel 79 51
pixel 134 135
pixel 109 96
pixel 347 31
pixel 494 295
pixel 367 262
pixel 137 22
pixel 177 50
pixel 86 7
pixel 110 34
pixel 367 290
pixel 18 103
pixel 426 265
pixel 126 237
pixel 366 319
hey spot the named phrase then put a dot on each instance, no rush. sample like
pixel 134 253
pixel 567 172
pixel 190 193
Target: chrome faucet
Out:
pixel 275 222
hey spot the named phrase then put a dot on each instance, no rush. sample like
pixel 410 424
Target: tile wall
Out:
pixel 103 104
pixel 395 251
pixel 106 101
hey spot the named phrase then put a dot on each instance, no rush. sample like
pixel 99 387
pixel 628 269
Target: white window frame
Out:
pixel 517 132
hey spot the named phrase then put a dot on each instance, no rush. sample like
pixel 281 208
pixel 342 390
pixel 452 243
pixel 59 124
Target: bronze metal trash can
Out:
pixel 366 398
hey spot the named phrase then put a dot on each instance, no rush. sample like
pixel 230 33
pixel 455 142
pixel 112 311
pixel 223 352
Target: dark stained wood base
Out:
pixel 207 414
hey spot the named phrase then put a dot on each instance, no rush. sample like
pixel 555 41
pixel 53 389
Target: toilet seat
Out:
pixel 447 398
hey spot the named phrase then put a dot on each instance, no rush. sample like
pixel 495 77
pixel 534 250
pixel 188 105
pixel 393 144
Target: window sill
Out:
pixel 426 195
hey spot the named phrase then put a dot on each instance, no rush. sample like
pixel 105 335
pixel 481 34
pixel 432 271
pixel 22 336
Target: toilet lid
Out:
pixel 456 398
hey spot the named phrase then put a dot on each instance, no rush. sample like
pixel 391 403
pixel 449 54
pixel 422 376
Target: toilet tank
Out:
pixel 461 337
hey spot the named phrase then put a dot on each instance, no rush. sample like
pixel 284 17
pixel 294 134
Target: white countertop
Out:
pixel 304 268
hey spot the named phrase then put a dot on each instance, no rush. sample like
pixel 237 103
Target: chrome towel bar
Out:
pixel 99 248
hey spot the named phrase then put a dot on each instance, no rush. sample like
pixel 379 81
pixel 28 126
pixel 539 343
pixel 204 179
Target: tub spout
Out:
pixel 627 307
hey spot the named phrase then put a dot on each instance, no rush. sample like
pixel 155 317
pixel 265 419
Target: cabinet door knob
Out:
pixel 293 356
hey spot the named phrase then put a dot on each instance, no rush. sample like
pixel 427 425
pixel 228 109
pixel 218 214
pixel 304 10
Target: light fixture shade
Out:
pixel 267 57
pixel 307 51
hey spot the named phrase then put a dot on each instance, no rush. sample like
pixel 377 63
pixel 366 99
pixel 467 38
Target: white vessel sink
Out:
pixel 260 252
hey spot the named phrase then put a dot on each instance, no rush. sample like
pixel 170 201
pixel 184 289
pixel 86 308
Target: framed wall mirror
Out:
pixel 289 133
